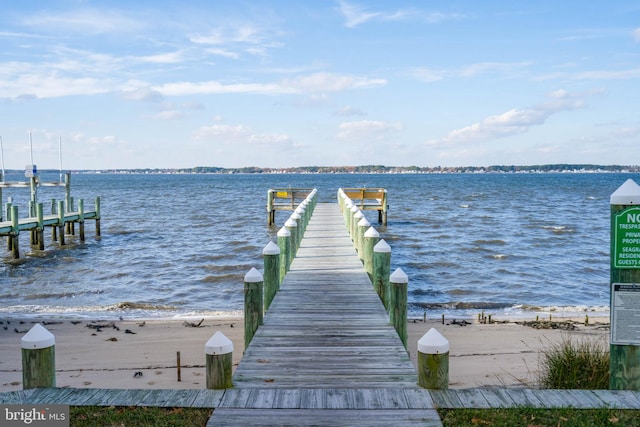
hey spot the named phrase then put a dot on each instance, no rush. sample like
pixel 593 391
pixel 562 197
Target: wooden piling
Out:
pixel 357 217
pixel 219 362
pixel 284 243
pixel 363 226
pixel 40 229
pixel 624 350
pixel 253 304
pixel 81 219
pixel 271 254
pixel 97 209
pixel 433 361
pixel 15 233
pixel 61 227
pixel 398 282
pixel 38 358
pixel 292 226
pixel 371 238
pixel 381 271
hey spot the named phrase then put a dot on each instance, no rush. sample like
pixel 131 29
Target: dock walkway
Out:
pixel 327 341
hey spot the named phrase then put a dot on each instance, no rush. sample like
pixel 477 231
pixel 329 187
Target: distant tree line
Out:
pixel 551 168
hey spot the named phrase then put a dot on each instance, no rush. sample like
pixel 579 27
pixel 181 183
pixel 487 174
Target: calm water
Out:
pixel 179 245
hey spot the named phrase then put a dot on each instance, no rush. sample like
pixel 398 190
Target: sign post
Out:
pixel 624 349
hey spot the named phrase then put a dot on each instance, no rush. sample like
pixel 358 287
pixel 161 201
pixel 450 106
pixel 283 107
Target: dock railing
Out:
pixel 284 199
pixel 369 199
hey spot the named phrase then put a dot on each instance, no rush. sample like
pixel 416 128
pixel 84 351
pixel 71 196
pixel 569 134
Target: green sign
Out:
pixel 626 235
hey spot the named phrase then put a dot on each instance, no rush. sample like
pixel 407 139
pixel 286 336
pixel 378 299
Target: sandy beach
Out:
pixel 143 354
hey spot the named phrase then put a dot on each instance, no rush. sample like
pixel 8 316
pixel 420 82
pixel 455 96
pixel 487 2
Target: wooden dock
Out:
pixel 326 351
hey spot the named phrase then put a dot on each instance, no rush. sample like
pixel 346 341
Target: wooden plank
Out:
pixel 332 417
pixel 473 398
pixel 496 398
pixel 622 399
pixel 207 399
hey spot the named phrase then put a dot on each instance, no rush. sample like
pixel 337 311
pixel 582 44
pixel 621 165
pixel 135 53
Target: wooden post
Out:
pixel 299 229
pixel 271 254
pixel 357 216
pixel 383 218
pixel 61 222
pixel 15 233
pixel 371 238
pixel 81 219
pixel 292 226
pixel 97 207
pixel 398 282
pixel 219 362
pixel 381 271
pixel 40 229
pixel 363 226
pixel 284 243
pixel 355 230
pixel 352 221
pixel 433 361
pixel 270 211
pixel 38 358
pixel 253 304
pixel 300 210
pixel 624 349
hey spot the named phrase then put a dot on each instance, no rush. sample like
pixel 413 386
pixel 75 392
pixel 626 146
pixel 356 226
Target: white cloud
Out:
pixel 355 15
pixel 489 67
pixel 512 122
pixel 367 130
pixel 427 74
pixel 238 134
pixel 84 21
pixel 348 110
pixel 318 82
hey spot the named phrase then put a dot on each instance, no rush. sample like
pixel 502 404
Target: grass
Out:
pixel 529 417
pixel 575 364
pixel 112 416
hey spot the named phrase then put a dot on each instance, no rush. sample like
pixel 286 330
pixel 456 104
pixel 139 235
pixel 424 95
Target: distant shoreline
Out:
pixel 371 169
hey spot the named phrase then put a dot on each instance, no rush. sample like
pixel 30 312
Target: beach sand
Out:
pixel 143 354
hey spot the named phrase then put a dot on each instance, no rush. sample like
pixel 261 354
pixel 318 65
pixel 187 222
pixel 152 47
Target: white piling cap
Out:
pixel 283 232
pixel 433 343
pixel 218 344
pixel 364 223
pixel 348 203
pixel 399 276
pixel 38 337
pixel 627 194
pixel 271 249
pixel 358 215
pixel 354 208
pixel 382 246
pixel 295 216
pixel 290 223
pixel 253 276
pixel 371 232
pixel 300 209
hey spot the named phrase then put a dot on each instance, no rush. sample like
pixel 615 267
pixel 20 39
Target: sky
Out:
pixel 179 84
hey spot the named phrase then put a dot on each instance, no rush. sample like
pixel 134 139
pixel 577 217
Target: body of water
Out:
pixel 179 245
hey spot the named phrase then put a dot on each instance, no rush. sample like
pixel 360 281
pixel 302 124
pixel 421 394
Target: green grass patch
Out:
pixel 575 364
pixel 117 416
pixel 529 417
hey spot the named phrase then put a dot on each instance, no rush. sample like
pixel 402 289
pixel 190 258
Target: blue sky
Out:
pixel 160 84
